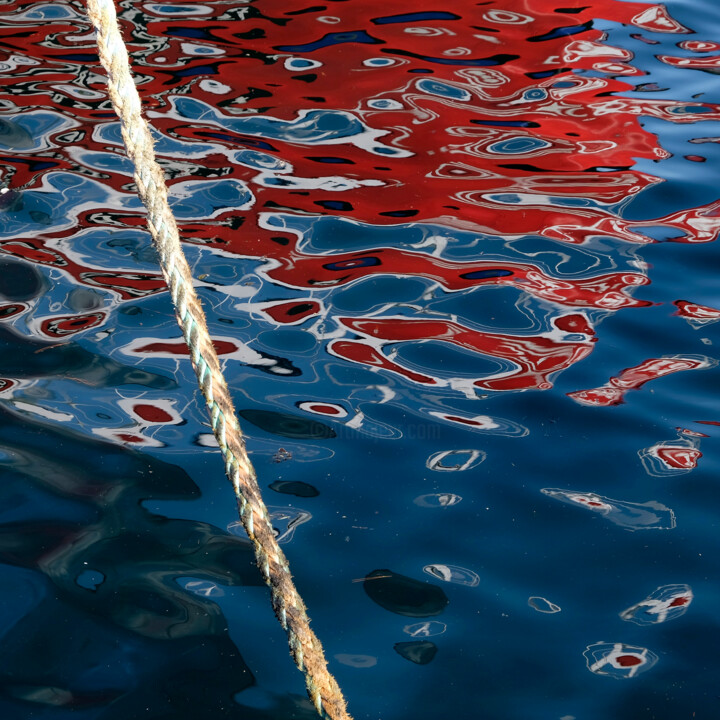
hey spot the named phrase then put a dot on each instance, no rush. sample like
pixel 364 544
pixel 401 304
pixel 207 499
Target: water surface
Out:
pixel 459 265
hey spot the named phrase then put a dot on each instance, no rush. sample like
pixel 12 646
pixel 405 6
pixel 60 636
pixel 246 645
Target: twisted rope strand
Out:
pixel 287 603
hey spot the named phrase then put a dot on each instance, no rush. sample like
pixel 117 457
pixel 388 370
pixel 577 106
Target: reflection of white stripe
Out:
pixel 43 412
pixel 617 649
pixel 115 434
pixel 356 422
pixel 435 461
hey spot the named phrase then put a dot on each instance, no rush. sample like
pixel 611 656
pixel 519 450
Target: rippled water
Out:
pixel 461 268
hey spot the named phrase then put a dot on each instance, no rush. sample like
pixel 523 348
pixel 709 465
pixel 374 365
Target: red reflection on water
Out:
pixel 603 291
pixel 536 357
pixel 613 392
pixel 677 457
pixel 513 80
pixel 179 348
pixel 69 325
pixel 691 63
pixel 697 314
pixel 295 311
pixel 481 119
pixel 698 45
pixel 152 413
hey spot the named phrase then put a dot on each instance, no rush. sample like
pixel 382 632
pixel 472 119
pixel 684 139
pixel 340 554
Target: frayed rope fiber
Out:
pixel 289 608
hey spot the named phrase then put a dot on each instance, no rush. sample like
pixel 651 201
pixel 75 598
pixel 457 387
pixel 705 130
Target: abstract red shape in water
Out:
pixel 295 311
pixel 681 458
pixel 628 660
pixel 695 311
pixel 698 45
pixel 535 356
pixel 502 118
pixel 613 392
pixel 691 63
pixel 308 271
pixel 10 309
pixel 179 348
pixel 70 324
pixel 360 352
pixel 152 413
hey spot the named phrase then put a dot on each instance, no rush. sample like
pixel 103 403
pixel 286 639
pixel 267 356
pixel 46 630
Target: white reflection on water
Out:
pixel 666 603
pixel 453 574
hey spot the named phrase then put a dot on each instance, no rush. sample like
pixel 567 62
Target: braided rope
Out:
pixel 287 603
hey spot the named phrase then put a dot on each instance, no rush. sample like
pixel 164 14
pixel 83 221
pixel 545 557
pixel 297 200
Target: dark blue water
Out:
pixel 484 415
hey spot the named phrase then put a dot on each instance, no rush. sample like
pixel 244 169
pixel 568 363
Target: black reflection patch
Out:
pixel 328 159
pixel 399 213
pixel 254 34
pixel 85 58
pixel 281 366
pixel 404 595
pixel 527 167
pixel 334 204
pixel 487 273
pixel 299 309
pixel 420 652
pixel 562 32
pixel 571 11
pixel 499 59
pixel 310 77
pixel 195 33
pixel 286 425
pixel 415 17
pixel 253 93
pixel 10 310
pixel 546 73
pixel 340 38
pixel 19 281
pixel 294 487
pixel 507 123
pixel 313 8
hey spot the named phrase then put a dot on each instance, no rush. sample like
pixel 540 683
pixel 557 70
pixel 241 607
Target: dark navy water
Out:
pixel 460 264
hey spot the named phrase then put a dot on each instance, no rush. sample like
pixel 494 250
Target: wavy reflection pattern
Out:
pixel 391 213
pixel 449 158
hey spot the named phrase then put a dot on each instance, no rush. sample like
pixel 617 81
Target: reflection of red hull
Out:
pixel 482 123
pixel 499 131
pixel 537 357
pixel 613 392
pixel 681 458
pixel 698 314
pixel 307 271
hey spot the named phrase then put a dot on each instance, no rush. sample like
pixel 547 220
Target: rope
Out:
pixel 289 608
